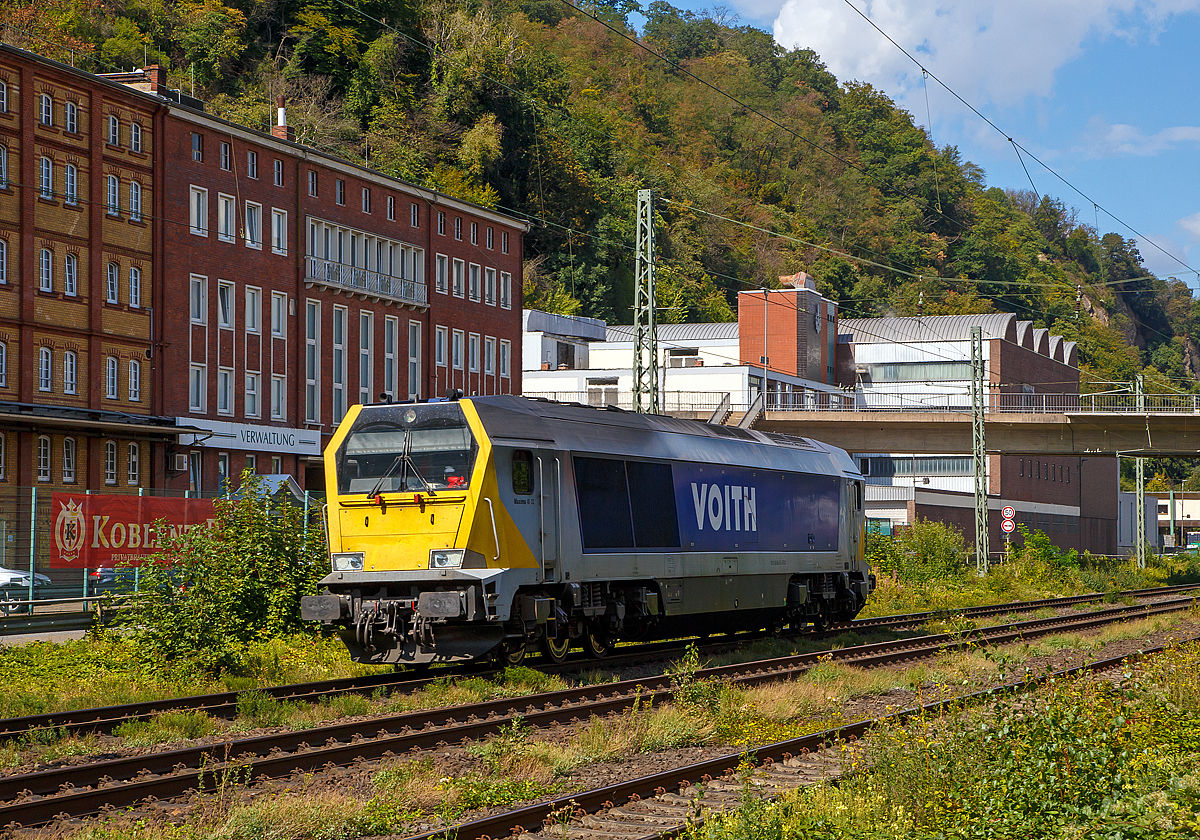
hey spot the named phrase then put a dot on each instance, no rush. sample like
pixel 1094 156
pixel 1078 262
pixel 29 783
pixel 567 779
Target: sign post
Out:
pixel 1007 525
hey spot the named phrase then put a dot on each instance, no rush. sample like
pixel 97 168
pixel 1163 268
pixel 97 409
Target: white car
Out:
pixel 14 586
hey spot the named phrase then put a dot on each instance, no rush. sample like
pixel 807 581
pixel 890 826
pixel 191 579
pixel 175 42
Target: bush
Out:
pixel 207 593
pixel 924 551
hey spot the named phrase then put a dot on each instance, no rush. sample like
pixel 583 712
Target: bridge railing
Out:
pixel 957 400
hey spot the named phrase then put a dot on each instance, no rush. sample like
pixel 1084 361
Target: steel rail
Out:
pixel 78 790
pixel 225 704
pixel 533 817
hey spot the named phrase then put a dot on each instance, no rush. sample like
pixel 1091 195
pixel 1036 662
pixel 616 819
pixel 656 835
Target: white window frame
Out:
pixel 279 308
pixel 252 164
pixel 3 262
pixel 46 115
pixel 135 201
pixel 46 271
pixel 3 368
pixel 366 200
pixel 226 306
pixel 391 208
pixel 414 215
pixel 43 458
pixel 3 167
pixel 505 358
pixel 134 380
pixel 112 373
pixel 474 233
pixel 312 361
pixel 473 353
pixel 458 339
pixel 253 404
pixel 339 332
pixel 440 336
pixel 70 184
pixel 198 389
pixel 489 355
pixel 277 167
pixel 226 157
pixel 391 329
pixel 279 232
pixel 224 390
pixel 503 242
pixel 135 137
pixel 110 462
pixel 253 310
pixel 414 359
pixel 441 224
pixel 68 460
pixel 278 397
pixel 226 217
pixel 312 183
pixel 71 274
pixel 71 117
pixel 253 223
pixel 198 210
pixel 366 357
pixel 113 135
pixel 339 192
pixel 441 277
pixel 134 464
pixel 45 177
pixel 135 287
pixel 505 290
pixel 489 286
pixel 473 282
pixel 45 369
pixel 458 282
pixel 198 299
pixel 70 372
pixel 112 202
pixel 112 283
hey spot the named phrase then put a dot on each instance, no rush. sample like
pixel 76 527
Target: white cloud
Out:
pixel 1104 140
pixel 992 52
pixel 1191 226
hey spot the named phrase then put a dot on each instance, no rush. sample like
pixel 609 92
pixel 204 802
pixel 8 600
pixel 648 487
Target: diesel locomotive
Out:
pixel 493 525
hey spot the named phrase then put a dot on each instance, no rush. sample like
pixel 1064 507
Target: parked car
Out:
pixel 14 587
pixel 108 577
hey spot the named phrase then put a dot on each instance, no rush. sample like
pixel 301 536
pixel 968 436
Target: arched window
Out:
pixel 69 372
pixel 43 458
pixel 135 137
pixel 114 130
pixel 71 118
pixel 135 463
pixel 110 378
pixel 135 201
pixel 46 177
pixel 135 286
pixel 3 167
pixel 68 461
pixel 71 274
pixel 110 462
pixel 114 195
pixel 135 380
pixel 70 184
pixel 46 271
pixel 3 366
pixel 47 114
pixel 112 289
pixel 45 368
pixel 3 98
pixel 3 260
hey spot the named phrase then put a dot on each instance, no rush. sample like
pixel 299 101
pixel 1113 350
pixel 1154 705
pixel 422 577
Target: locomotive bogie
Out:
pixel 495 523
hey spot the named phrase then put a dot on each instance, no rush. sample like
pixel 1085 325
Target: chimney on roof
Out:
pixel 281 129
pixel 156 76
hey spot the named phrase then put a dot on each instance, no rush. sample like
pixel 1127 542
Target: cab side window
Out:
pixel 522 472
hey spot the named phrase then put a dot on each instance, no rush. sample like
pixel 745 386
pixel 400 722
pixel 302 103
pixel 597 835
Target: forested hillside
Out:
pixel 559 116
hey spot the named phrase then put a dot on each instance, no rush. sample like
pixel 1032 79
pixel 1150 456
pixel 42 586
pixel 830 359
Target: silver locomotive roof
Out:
pixel 603 431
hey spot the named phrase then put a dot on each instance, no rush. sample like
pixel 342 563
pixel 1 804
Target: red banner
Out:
pixel 107 530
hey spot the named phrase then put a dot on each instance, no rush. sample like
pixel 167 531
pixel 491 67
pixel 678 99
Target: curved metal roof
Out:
pixel 1056 348
pixel 710 331
pixel 1070 354
pixel 1001 325
pixel 1041 341
pixel 1025 334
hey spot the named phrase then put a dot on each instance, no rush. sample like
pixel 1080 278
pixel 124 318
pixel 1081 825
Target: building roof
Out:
pixel 1001 325
pixel 572 326
pixel 712 331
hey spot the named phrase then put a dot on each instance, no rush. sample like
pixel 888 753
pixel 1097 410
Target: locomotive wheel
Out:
pixel 556 648
pixel 512 653
pixel 595 643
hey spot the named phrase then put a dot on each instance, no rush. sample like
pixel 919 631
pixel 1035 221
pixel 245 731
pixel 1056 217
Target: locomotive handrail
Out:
pixel 495 535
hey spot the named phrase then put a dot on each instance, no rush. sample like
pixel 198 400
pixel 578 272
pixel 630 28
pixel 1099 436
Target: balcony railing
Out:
pixel 361 281
pixel 997 403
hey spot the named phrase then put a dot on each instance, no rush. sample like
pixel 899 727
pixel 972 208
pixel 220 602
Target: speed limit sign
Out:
pixel 1009 512
pixel 1008 526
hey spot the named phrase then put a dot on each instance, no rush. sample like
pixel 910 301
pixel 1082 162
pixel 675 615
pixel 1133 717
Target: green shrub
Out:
pixel 924 551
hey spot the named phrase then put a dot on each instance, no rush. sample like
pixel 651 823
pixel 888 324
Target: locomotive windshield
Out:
pixel 407 448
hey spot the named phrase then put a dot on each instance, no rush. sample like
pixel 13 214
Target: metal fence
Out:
pixel 997 403
pixel 671 402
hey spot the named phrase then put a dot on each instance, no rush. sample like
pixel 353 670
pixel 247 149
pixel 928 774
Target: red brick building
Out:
pixel 161 268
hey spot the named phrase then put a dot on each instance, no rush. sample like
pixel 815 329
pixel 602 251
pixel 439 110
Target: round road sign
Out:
pixel 1008 526
pixel 1008 512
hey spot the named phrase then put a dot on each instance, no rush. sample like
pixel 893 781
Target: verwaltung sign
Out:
pixel 255 438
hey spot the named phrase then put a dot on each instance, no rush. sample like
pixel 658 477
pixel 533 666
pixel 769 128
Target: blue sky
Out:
pixel 1105 92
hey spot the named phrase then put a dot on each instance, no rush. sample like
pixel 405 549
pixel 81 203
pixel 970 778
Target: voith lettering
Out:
pixel 725 507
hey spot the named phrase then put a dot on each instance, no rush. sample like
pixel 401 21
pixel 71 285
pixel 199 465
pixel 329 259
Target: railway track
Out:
pixel 225 704
pixel 651 808
pixel 79 790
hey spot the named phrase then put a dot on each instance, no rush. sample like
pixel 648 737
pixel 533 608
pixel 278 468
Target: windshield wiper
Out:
pixel 387 475
pixel 406 459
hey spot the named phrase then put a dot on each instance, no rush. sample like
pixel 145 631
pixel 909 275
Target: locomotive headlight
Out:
pixel 348 562
pixel 446 558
